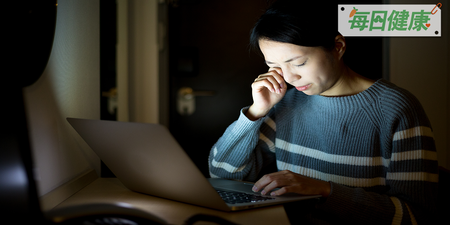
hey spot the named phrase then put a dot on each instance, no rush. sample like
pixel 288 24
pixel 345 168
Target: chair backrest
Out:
pixel 18 194
pixel 29 33
pixel 443 203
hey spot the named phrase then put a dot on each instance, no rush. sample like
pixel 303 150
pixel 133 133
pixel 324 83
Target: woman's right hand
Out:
pixel 267 90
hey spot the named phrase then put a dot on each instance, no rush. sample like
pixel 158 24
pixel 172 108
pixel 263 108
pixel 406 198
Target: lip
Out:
pixel 303 88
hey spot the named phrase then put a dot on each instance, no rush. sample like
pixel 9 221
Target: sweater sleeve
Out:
pixel 410 178
pixel 239 154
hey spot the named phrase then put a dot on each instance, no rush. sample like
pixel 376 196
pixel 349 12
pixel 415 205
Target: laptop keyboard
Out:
pixel 232 197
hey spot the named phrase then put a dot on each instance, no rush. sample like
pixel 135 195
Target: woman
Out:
pixel 365 146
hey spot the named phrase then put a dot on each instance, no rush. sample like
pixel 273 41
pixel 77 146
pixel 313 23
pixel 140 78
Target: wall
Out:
pixel 421 65
pixel 143 61
pixel 69 87
pixel 122 61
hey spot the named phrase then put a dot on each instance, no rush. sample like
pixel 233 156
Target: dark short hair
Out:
pixel 299 22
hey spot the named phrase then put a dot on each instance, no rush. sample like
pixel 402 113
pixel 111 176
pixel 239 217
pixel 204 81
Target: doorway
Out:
pixel 209 54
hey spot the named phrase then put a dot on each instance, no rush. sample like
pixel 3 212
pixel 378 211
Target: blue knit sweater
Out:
pixel 376 148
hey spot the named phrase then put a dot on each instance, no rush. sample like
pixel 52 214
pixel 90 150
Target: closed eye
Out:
pixel 301 64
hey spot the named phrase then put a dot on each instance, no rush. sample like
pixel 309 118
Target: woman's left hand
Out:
pixel 290 182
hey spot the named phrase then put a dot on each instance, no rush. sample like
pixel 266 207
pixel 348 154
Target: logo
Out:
pixel 387 20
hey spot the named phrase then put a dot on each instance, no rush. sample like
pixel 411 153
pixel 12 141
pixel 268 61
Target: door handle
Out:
pixel 112 100
pixel 186 100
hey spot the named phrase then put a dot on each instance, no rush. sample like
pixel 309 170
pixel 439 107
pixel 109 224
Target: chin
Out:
pixel 309 92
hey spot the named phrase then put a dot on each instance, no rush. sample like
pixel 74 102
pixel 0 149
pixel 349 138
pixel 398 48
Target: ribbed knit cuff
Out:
pixel 337 198
pixel 244 124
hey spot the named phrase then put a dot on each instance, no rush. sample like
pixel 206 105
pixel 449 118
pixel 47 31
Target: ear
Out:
pixel 340 45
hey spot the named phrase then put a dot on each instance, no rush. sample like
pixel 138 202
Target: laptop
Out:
pixel 147 159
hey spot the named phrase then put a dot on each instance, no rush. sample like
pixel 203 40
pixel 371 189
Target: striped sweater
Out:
pixel 376 149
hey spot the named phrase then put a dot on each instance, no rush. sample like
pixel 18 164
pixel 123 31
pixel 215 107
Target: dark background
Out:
pixel 208 51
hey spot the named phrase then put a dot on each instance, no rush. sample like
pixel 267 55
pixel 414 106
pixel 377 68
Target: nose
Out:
pixel 290 75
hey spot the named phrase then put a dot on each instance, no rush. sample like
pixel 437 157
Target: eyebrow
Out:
pixel 289 60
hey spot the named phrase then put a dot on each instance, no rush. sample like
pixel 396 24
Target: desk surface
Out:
pixel 111 190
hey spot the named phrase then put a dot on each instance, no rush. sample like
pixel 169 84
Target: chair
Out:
pixel 443 202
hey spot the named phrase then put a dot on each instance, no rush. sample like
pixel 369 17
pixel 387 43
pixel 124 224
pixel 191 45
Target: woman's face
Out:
pixel 312 70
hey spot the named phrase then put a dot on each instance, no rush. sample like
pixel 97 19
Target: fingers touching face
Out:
pixel 310 69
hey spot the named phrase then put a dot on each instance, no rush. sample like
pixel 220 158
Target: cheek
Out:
pixel 325 68
pixel 315 71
